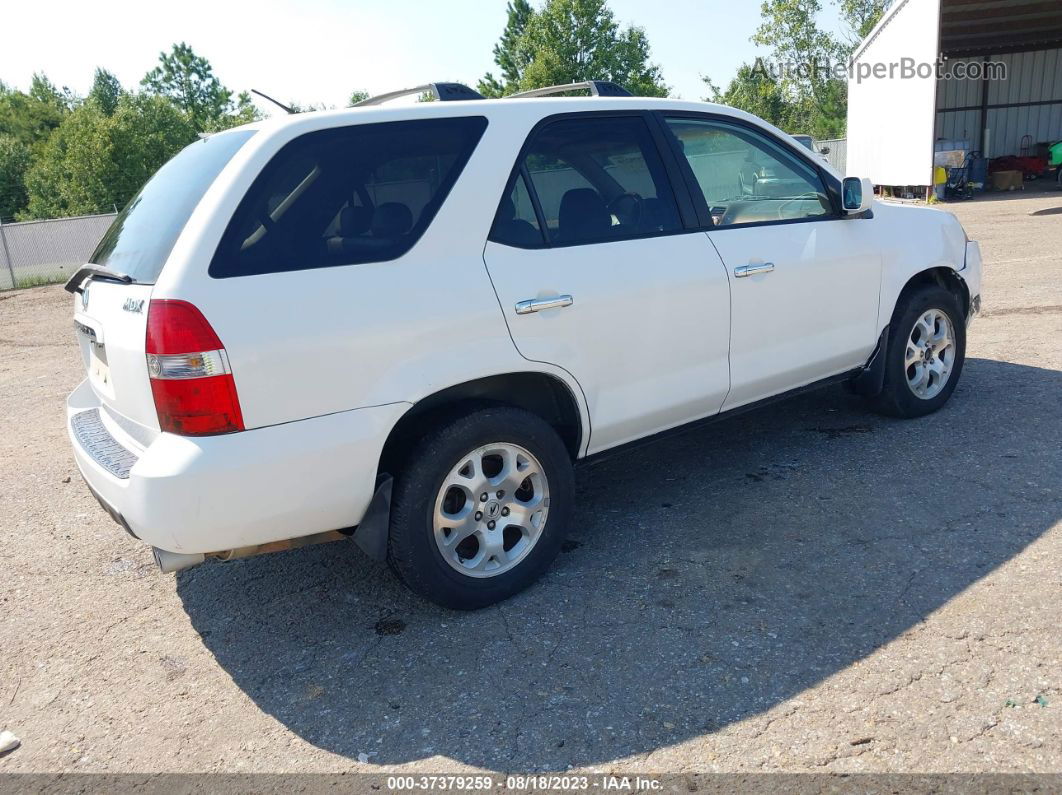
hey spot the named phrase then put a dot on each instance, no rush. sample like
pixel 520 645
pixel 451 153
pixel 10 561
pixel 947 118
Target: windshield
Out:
pixel 141 237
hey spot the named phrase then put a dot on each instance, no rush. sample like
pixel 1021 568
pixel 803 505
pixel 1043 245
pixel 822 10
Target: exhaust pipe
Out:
pixel 170 562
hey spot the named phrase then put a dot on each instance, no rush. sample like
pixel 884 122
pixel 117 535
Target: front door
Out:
pixel 804 281
pixel 595 274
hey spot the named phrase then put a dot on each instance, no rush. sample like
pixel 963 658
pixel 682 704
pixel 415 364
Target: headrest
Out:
pixel 391 219
pixel 354 221
pixel 583 215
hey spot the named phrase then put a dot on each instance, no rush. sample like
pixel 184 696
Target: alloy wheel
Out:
pixel 491 509
pixel 930 355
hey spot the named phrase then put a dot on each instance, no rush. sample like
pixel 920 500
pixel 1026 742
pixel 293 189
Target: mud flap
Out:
pixel 871 380
pixel 375 527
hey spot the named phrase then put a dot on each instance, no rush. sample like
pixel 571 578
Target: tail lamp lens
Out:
pixel 191 381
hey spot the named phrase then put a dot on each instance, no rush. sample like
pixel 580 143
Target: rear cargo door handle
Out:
pixel 741 271
pixel 540 304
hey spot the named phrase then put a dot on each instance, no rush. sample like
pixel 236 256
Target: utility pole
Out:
pixel 7 255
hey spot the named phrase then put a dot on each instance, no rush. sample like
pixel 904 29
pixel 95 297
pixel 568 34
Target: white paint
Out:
pixel 891 120
pixel 326 361
pixel 648 344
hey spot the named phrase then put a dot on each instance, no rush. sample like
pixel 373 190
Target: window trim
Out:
pixel 477 124
pixel 688 220
pixel 523 173
pixel 830 183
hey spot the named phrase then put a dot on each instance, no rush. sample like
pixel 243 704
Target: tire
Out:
pixel 433 552
pixel 903 381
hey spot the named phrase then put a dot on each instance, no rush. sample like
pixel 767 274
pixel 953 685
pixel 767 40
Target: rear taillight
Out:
pixel 190 376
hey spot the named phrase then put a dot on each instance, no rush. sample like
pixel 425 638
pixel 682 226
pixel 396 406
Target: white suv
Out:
pixel 404 324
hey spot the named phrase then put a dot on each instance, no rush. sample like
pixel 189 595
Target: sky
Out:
pixel 318 51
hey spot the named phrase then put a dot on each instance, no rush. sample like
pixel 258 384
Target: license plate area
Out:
pixel 99 370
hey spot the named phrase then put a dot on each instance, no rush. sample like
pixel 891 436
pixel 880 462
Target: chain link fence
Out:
pixel 46 252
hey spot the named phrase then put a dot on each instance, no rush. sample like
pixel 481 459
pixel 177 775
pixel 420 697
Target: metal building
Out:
pixel 984 72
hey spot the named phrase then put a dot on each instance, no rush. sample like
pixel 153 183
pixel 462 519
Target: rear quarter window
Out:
pixel 144 232
pixel 364 193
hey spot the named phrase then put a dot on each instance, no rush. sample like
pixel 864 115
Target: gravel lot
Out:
pixel 806 587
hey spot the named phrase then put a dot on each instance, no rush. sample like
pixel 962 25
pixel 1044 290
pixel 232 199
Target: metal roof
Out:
pixel 983 27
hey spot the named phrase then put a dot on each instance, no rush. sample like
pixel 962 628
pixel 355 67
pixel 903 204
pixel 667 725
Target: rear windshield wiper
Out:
pixel 95 272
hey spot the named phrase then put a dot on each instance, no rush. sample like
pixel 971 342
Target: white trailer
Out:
pixel 905 92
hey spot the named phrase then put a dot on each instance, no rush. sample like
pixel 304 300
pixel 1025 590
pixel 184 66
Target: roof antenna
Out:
pixel 266 96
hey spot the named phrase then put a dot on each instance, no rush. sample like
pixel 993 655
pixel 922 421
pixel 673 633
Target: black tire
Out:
pixel 897 399
pixel 412 551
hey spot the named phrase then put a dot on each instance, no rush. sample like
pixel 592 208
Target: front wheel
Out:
pixel 481 508
pixel 925 354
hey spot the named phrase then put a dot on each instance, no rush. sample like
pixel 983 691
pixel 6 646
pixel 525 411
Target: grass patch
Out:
pixel 40 281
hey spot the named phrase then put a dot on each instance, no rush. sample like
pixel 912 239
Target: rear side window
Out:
pixel 600 179
pixel 356 194
pixel 516 223
pixel 142 236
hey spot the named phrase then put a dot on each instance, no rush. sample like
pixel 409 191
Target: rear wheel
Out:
pixel 925 355
pixel 481 508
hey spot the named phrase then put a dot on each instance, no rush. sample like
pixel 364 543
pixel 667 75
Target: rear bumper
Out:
pixel 215 493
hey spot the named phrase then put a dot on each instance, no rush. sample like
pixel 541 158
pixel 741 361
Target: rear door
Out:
pixel 597 273
pixel 804 281
pixel 111 317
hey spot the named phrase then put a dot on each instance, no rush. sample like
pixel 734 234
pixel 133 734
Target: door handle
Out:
pixel 540 304
pixel 741 271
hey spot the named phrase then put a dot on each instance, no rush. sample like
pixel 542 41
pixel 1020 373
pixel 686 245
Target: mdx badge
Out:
pixel 133 305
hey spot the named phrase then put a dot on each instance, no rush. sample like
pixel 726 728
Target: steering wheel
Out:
pixel 627 207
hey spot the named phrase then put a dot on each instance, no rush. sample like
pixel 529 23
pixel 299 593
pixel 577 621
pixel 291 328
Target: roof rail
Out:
pixel 597 88
pixel 444 92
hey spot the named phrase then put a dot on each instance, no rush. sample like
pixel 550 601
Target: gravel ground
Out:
pixel 805 587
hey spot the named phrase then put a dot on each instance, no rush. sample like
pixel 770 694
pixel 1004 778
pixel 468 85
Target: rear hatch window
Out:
pixel 142 236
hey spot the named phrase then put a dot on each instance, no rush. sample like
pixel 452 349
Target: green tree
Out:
pixel 94 161
pixel 860 17
pixel 106 91
pixel 755 91
pixel 804 58
pixel 567 41
pixel 189 81
pixel 44 91
pixel 509 54
pixel 14 161
pixel 357 96
pixel 244 112
pixel 30 119
pixel 789 28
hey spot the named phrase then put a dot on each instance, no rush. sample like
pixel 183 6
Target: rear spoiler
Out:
pixel 74 285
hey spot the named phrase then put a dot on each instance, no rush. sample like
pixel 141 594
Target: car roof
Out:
pixel 491 108
pixel 528 109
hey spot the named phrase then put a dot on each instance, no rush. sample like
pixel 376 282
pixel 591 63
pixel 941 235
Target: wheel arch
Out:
pixel 940 276
pixel 543 394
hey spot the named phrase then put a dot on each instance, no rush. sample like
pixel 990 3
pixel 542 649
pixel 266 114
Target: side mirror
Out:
pixel 824 151
pixel 857 195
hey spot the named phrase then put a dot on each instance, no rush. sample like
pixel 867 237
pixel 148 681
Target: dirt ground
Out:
pixel 808 587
